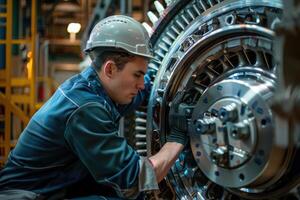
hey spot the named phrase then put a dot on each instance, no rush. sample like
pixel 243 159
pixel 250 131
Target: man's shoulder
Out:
pixel 80 91
pixel 73 83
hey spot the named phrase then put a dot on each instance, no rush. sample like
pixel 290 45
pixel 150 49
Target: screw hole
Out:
pixel 230 19
pixel 223 114
pixel 234 133
pixel 263 122
pixel 242 177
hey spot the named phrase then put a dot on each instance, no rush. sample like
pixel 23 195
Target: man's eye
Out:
pixel 137 75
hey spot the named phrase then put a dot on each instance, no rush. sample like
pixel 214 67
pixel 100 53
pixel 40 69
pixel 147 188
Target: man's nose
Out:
pixel 141 84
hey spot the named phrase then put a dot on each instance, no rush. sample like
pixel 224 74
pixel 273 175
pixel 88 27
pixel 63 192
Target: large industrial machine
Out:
pixel 230 70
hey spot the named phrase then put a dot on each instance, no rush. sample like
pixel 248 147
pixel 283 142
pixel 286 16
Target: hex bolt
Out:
pixel 160 92
pixel 240 130
pixel 179 165
pixel 228 113
pixel 189 173
pixel 156 134
pixel 158 100
pixel 188 111
pixel 206 125
pixel 219 156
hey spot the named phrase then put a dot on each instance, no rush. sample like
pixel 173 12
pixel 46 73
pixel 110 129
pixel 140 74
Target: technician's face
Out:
pixel 126 83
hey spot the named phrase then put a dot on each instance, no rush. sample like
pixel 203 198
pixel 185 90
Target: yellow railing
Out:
pixel 17 94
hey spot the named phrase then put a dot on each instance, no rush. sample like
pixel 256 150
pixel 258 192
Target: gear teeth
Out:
pixel 147 27
pixel 167 40
pixel 140 128
pixel 141 144
pixel 153 18
pixel 141 114
pixel 153 66
pixel 203 5
pixel 159 7
pixel 141 120
pixel 163 46
pixel 140 136
pixel 168 2
pixel 142 152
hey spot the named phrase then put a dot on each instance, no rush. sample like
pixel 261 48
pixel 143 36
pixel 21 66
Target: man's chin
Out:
pixel 127 101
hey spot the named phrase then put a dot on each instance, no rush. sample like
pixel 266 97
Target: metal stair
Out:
pixel 17 90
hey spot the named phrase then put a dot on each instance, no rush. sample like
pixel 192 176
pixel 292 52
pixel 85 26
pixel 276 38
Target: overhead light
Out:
pixel 73 28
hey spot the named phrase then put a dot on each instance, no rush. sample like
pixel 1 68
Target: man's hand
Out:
pixel 165 158
pixel 176 140
pixel 178 120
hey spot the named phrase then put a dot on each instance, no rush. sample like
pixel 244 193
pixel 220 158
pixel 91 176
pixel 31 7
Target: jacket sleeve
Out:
pixel 93 136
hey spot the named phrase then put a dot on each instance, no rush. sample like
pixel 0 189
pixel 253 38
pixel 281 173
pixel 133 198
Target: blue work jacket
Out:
pixel 75 135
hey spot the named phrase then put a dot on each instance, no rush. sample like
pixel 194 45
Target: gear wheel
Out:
pixel 219 53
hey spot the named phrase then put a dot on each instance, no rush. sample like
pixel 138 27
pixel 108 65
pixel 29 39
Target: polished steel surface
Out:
pixel 218 54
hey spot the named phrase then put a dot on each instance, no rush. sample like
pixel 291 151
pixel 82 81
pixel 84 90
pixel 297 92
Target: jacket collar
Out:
pixel 92 77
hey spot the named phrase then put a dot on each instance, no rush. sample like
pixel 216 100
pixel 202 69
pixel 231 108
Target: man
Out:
pixel 71 146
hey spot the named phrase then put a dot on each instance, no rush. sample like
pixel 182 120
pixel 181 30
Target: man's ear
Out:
pixel 109 68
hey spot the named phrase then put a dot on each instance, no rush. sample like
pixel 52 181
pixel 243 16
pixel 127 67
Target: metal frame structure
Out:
pixel 100 11
pixel 17 105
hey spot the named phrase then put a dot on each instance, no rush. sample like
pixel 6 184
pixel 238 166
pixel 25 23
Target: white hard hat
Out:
pixel 120 32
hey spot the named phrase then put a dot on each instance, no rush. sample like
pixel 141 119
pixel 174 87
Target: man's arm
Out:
pixel 176 139
pixel 92 135
pixel 165 158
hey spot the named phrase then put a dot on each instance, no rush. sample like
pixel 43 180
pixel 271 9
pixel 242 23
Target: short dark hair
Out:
pixel 119 57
